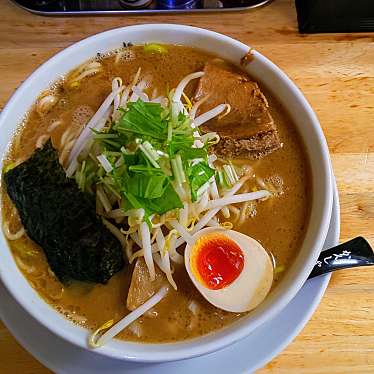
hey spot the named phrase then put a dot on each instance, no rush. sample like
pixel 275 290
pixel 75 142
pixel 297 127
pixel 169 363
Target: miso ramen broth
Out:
pixel 278 223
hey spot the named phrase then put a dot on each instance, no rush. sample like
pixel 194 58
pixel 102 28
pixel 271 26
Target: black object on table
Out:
pixel 354 253
pixel 108 7
pixel 317 16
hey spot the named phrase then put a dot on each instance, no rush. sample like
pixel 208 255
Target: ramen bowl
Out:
pixel 286 92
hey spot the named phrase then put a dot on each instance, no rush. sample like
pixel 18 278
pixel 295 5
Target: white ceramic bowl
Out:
pixel 260 69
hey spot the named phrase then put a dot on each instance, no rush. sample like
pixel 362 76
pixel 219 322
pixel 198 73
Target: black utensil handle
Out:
pixel 356 252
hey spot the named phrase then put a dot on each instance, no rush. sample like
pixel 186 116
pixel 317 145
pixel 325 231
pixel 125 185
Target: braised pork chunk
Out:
pixel 248 131
pixel 141 287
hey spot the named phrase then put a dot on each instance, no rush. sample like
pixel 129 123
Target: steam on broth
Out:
pixel 272 207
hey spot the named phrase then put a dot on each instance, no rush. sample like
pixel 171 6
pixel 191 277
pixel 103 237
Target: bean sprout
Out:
pixel 45 104
pixel 126 321
pixel 41 140
pixel 146 244
pixel 209 115
pixel 196 106
pixel 116 232
pixel 238 198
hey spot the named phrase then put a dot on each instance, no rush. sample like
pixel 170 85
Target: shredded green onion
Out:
pixel 147 149
pixel 155 48
pixel 231 175
pixel 8 167
pixel 177 167
pixel 222 180
pixel 100 136
pixel 279 269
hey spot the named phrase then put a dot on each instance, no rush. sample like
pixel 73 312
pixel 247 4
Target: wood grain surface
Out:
pixel 336 74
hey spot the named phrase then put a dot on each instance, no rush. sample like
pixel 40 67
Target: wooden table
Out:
pixel 336 73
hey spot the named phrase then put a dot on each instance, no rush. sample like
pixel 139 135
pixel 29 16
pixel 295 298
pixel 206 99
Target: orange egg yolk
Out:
pixel 216 261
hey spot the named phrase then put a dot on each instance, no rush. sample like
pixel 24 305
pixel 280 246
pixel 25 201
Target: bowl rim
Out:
pixel 206 344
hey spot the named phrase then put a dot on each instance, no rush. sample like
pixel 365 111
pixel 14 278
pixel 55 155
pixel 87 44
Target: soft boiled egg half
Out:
pixel 231 270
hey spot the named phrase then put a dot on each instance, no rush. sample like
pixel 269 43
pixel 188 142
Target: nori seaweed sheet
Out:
pixel 62 219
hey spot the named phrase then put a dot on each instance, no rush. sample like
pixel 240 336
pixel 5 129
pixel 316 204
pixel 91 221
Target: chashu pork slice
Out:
pixel 248 131
pixel 141 287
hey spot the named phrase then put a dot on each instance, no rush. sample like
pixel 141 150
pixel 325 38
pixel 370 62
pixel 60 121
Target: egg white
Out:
pixel 250 288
